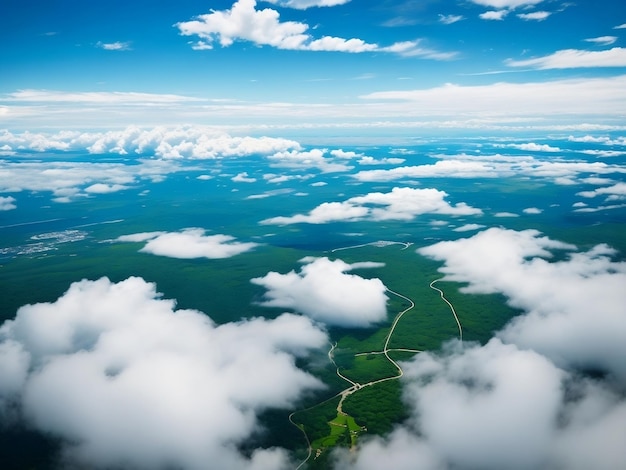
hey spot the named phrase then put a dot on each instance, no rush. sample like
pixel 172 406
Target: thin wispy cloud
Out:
pixel 101 97
pixel 575 58
pixel 450 19
pixel 511 4
pixel 114 46
pixel 243 22
pixel 534 16
pixel 603 40
pixel 304 4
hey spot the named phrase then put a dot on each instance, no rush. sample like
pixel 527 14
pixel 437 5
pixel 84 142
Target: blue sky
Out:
pixel 223 62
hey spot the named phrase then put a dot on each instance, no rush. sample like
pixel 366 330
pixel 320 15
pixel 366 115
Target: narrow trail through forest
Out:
pixel 355 386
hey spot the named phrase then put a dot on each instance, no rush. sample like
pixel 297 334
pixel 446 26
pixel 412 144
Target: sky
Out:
pixel 251 146
pixel 325 63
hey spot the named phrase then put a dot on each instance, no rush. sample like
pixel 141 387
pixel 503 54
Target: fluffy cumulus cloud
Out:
pixel 399 204
pixel 69 180
pixel 495 15
pixel 189 243
pixel 126 381
pixel 325 291
pixel 7 203
pixel 243 177
pixel 534 147
pixel 614 192
pixel 193 142
pixel 243 22
pixel 365 159
pixel 499 406
pixel 522 400
pixel 579 297
pixel 314 158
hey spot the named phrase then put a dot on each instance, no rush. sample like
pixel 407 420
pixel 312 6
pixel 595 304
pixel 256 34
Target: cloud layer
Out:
pixel 124 380
pixel 579 297
pixel 326 292
pixel 519 401
pixel 193 142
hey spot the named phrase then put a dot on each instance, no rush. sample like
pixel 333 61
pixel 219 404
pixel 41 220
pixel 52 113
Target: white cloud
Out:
pixel 450 19
pixel 494 15
pixel 339 153
pixel 495 166
pixel 324 291
pixel 460 168
pixel 534 16
pixel 506 214
pixel 7 203
pixel 606 207
pixel 542 105
pixel 603 40
pixel 622 26
pixel 192 142
pixel 580 297
pixel 101 188
pixel 326 212
pixel 314 158
pixel 533 147
pixel 304 4
pixel 365 160
pixel 123 380
pixel 70 180
pixel 468 228
pixel 614 192
pixel 574 58
pixel 114 46
pixel 264 28
pixel 189 243
pixel 597 95
pixel 399 204
pixel 243 178
pixel 532 210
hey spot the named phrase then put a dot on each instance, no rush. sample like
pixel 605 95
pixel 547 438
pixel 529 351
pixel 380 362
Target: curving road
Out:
pixel 354 386
pixel 443 297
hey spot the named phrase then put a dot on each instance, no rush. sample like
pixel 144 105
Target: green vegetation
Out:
pixel 368 368
pixel 314 421
pixel 377 407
